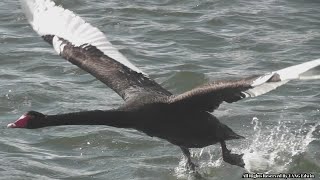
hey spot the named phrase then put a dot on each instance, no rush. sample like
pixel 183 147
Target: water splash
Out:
pixel 204 158
pixel 181 171
pixel 8 95
pixel 273 149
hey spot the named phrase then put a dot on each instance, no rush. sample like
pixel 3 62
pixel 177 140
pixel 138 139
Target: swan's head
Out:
pixel 28 120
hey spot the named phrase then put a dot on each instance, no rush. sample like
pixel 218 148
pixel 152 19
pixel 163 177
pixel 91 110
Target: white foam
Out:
pixel 274 148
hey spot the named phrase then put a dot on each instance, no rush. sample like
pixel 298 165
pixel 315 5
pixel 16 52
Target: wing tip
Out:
pixel 296 71
pixel 68 26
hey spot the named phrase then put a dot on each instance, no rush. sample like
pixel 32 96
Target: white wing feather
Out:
pixel 48 19
pixel 300 71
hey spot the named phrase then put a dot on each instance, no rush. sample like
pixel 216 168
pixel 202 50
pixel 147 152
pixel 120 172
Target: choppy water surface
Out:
pixel 181 44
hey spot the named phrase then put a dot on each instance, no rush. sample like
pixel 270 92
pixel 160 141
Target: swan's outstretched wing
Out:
pixel 88 48
pixel 210 96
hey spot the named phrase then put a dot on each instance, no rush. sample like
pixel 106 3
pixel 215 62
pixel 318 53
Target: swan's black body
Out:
pixel 156 118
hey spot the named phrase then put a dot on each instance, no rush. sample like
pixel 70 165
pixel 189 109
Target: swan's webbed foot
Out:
pixel 234 159
pixel 190 165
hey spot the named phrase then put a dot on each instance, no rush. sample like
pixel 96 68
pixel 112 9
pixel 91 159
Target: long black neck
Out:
pixel 115 118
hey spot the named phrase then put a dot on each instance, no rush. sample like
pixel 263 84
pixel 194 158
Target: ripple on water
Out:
pixel 181 44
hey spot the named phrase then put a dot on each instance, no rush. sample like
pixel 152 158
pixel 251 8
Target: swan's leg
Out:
pixel 191 166
pixel 234 159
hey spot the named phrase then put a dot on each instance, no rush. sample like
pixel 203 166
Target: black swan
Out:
pixel 183 120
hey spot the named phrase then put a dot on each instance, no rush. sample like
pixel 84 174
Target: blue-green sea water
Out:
pixel 180 44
